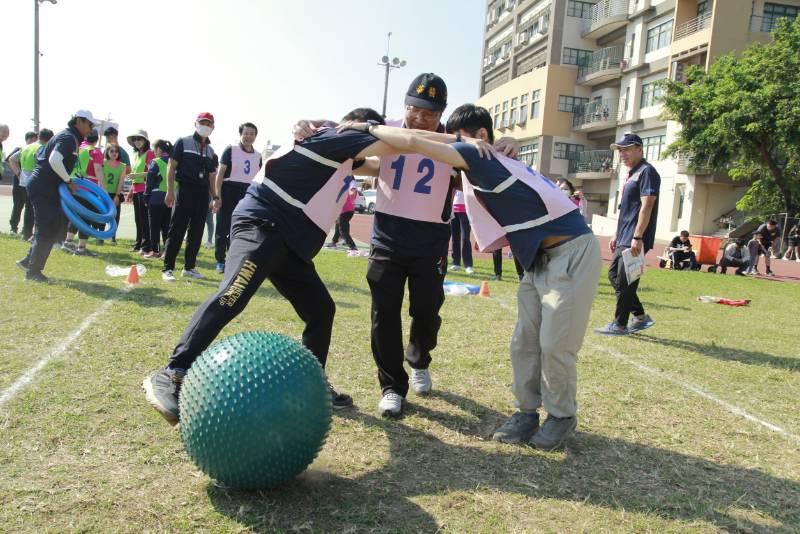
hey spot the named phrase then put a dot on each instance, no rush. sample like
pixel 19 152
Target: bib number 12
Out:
pixel 425 168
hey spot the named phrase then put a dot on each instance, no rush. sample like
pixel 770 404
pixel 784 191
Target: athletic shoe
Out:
pixel 495 277
pixel 209 244
pixel 83 251
pixel 454 268
pixel 68 247
pixel 612 329
pixel 99 242
pixel 113 241
pixel 23 264
pixel 636 324
pixel 192 273
pixel 520 428
pixel 330 245
pixel 553 432
pixel 354 253
pixel 421 381
pixel 152 256
pixel 339 400
pixel 770 273
pixel 168 276
pixel 469 270
pixel 221 267
pixel 37 277
pixel 135 249
pixel 391 404
pixel 161 389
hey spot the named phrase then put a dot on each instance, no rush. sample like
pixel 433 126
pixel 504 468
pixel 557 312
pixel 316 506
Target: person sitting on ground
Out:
pixel 759 246
pixel 680 250
pixel 735 255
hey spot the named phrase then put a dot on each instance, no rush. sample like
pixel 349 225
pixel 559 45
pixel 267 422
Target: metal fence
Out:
pixel 605 59
pixel 602 11
pixel 595 111
pixel 693 26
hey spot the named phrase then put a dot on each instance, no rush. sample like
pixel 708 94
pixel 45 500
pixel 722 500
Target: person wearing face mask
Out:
pixel 191 163
pixel 238 166
pixel 54 163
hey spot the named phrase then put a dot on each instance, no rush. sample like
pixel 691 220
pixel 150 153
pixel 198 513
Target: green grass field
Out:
pixel 673 432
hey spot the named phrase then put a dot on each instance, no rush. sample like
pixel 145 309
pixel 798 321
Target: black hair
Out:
pixel 92 137
pixel 247 125
pixel 115 147
pixel 145 146
pixel 772 221
pixel 29 135
pixel 471 118
pixel 364 115
pixel 72 122
pixel 569 185
pixel 684 233
pixel 163 146
pixel 45 135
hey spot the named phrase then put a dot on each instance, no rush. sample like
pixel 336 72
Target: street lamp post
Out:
pixel 395 63
pixel 36 55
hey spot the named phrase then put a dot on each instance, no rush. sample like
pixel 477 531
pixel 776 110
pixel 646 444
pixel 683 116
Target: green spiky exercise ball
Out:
pixel 254 410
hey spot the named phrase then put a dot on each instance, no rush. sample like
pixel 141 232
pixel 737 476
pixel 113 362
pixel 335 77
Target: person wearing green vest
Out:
pixel 114 172
pixel 158 213
pixel 142 156
pixel 90 163
pixel 19 195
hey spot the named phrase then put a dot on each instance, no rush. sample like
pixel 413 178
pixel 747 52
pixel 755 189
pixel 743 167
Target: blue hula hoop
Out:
pixel 106 211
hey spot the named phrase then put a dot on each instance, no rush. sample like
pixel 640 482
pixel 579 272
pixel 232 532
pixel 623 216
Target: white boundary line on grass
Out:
pixel 697 390
pixel 10 392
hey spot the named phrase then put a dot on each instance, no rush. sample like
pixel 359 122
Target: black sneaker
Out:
pixel 83 251
pixel 339 401
pixel 23 264
pixel 553 432
pixel 162 389
pixel 37 277
pixel 520 428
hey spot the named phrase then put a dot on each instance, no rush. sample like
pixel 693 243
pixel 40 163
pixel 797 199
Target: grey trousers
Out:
pixel 554 301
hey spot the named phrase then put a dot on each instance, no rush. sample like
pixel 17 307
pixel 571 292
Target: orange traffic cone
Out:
pixel 133 276
pixel 484 292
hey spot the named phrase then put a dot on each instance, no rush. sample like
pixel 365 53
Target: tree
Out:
pixel 743 117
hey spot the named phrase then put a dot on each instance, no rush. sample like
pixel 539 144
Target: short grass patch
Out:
pixel 81 450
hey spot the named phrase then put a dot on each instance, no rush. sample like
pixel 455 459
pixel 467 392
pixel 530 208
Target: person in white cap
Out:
pixel 142 157
pixel 54 163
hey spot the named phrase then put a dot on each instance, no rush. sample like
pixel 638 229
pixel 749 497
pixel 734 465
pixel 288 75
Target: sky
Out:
pixel 156 64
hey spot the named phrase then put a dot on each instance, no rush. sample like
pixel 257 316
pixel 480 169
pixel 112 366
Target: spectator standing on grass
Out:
pixel 636 231
pixel 343 221
pixel 19 195
pixel 794 244
pixel 460 231
pixel 158 214
pixel 238 166
pixel 735 255
pixel 191 165
pixel 497 264
pixel 113 178
pixel 680 250
pixel 142 157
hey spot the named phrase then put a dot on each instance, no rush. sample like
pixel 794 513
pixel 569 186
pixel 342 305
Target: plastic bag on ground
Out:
pixel 117 271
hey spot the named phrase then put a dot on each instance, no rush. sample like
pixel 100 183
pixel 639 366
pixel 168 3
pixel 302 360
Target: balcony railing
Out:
pixel 602 12
pixel 606 59
pixel 693 26
pixel 688 164
pixel 599 161
pixel 765 24
pixel 595 112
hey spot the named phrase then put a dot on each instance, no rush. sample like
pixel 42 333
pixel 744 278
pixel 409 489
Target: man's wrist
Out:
pixel 637 238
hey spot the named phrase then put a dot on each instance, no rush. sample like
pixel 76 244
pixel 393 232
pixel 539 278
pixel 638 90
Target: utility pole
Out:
pixel 395 63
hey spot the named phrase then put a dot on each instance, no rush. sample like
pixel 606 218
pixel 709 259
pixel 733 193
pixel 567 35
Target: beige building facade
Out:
pixel 567 77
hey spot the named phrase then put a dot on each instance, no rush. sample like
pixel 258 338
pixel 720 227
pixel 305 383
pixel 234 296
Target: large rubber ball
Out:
pixel 254 410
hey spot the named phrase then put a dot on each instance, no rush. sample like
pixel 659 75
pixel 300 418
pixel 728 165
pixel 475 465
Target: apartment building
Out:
pixel 567 77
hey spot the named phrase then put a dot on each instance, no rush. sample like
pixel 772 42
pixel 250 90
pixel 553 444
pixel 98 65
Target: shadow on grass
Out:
pixel 726 353
pixel 603 472
pixel 147 296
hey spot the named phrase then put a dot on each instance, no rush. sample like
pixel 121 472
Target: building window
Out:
pixel 627 99
pixel 652 94
pixel 702 7
pixel 504 120
pixel 576 56
pixel 652 147
pixel 535 96
pixel 772 12
pixel 569 103
pixel 497 119
pixel 529 154
pixel 566 150
pixel 505 105
pixel 582 10
pixel 523 113
pixel 630 48
pixel 659 37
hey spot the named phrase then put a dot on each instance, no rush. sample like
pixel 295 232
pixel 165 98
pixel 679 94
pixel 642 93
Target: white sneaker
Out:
pixel 454 268
pixel 421 381
pixel 209 244
pixel 192 273
pixel 469 270
pixel 168 276
pixel 391 404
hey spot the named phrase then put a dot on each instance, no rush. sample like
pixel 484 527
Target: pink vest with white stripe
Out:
pixel 412 186
pixel 489 234
pixel 325 206
pixel 244 165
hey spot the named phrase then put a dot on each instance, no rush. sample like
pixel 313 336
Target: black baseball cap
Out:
pixel 628 139
pixel 427 91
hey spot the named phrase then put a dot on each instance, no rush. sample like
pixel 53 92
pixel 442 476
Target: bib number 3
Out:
pixel 425 168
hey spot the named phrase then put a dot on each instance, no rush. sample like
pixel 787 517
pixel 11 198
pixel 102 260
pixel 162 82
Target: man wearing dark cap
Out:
pixel 636 230
pixel 191 164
